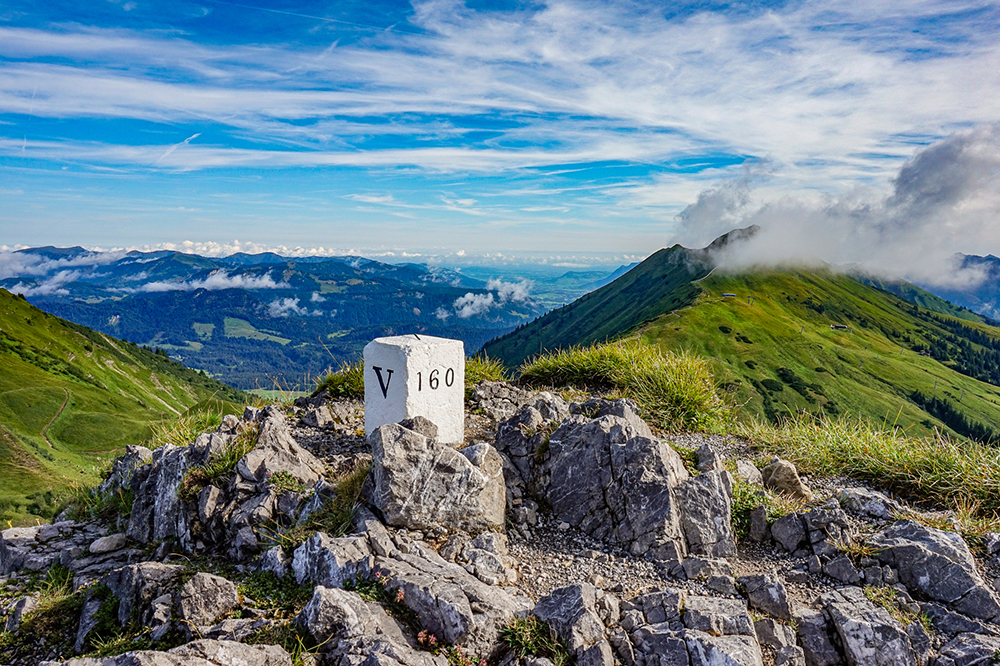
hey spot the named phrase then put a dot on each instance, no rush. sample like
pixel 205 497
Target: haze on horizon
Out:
pixel 851 133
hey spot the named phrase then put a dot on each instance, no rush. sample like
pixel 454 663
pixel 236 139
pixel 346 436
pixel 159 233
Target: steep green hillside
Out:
pixel 70 397
pixel 785 341
pixel 781 353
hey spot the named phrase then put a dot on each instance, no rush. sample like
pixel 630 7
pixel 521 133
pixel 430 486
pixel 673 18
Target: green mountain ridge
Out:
pixel 71 397
pixel 783 341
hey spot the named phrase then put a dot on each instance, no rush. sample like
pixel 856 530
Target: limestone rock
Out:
pixel 18 609
pixel 718 617
pixel 572 614
pixel 451 604
pixel 708 650
pixel 421 484
pixel 747 471
pixel 782 477
pixel 124 468
pixel 868 634
pixel 968 650
pixel 206 597
pixel 767 593
pixel 137 585
pixel 871 503
pixel 937 565
pixel 157 513
pixel 276 451
pixel 705 505
pixel 203 652
pixel 331 562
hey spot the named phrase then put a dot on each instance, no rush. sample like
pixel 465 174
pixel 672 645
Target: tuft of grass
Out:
pixel 182 430
pixel 334 517
pixel 221 465
pixel 282 596
pixel 481 367
pixel 86 502
pixel 887 598
pixel 958 475
pixel 675 391
pixel 747 497
pixel 347 382
pixel 288 635
pixel 530 637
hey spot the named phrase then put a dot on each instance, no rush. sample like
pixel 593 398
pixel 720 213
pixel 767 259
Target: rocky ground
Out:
pixel 564 531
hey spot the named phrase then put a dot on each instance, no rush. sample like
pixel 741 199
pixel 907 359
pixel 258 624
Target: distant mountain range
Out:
pixel 783 341
pixel 267 321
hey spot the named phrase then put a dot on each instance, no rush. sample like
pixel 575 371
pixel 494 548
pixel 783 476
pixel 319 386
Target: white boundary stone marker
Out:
pixel 416 375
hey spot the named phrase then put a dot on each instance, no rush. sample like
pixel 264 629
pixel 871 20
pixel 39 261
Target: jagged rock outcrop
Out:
pixel 573 614
pixel 937 565
pixel 601 471
pixel 197 653
pixel 350 630
pixel 420 483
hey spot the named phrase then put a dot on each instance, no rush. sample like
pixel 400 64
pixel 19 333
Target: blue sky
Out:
pixel 441 128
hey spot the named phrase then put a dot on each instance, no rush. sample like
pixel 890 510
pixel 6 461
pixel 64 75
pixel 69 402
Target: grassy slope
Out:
pixel 866 374
pixel 71 397
pixel 656 286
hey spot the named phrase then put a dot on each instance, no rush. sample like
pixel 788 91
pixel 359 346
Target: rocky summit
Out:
pixel 563 530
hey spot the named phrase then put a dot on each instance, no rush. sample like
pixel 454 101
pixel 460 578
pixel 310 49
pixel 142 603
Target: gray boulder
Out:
pixel 706 514
pixel 600 471
pixel 138 585
pixel 203 652
pixel 718 617
pixel 938 566
pixel 421 484
pixel 123 469
pixel 968 650
pixel 816 638
pixel 767 593
pixel 18 609
pixel 451 603
pixel 331 562
pixel 747 471
pixel 205 598
pixel 708 650
pixel 571 612
pixel 277 451
pixel 868 634
pixel 870 503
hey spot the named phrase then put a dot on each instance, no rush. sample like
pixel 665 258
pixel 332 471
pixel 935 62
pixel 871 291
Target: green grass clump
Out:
pixel 530 637
pixel 218 467
pixel 347 382
pixel 182 430
pixel 334 517
pixel 290 636
pixel 481 367
pixel 887 598
pixel 748 496
pixel 282 596
pixel 675 391
pixel 87 502
pixel 963 475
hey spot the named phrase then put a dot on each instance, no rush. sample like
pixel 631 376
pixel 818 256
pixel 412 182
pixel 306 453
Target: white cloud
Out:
pixel 20 264
pixel 498 294
pixel 518 292
pixel 283 307
pixel 830 90
pixel 471 305
pixel 52 286
pixel 316 298
pixel 946 196
pixel 216 281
